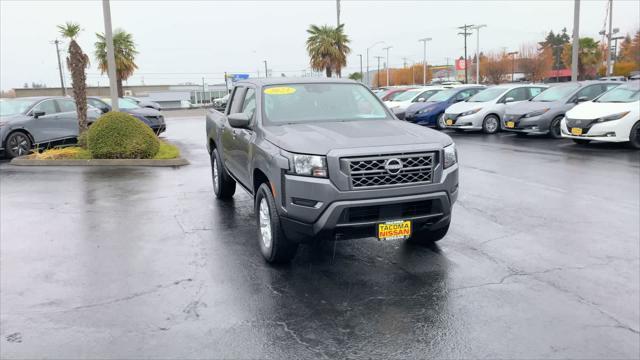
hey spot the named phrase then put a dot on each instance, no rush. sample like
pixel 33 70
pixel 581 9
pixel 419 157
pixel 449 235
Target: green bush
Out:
pixel 118 135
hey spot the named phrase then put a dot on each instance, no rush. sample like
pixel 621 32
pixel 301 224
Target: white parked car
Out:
pixel 485 110
pixel 401 102
pixel 612 117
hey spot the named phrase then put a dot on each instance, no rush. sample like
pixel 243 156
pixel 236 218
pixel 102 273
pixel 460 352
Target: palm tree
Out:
pixel 328 48
pixel 589 56
pixel 125 53
pixel 77 62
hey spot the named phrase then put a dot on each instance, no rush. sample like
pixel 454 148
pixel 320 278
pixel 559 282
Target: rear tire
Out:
pixel 223 185
pixel 634 136
pixel 554 128
pixel 581 141
pixel 491 124
pixel 17 144
pixel 274 245
pixel 426 237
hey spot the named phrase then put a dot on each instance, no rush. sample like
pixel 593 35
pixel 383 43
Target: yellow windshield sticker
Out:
pixel 281 90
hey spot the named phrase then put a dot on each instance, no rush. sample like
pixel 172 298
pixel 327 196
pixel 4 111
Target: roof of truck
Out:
pixel 294 80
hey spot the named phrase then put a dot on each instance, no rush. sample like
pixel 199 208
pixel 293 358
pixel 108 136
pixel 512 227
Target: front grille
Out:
pixel 374 213
pixel 585 124
pixel 384 170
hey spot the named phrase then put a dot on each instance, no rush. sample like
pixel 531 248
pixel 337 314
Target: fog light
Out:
pixel 535 128
pixel 610 134
pixel 304 202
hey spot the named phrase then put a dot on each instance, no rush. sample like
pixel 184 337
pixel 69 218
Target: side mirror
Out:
pixel 582 99
pixel 38 113
pixel 239 120
pixel 458 99
pixel 104 109
pixel 421 99
pixel 509 99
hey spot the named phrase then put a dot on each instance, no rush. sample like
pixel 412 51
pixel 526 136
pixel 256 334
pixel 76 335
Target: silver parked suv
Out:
pixel 325 158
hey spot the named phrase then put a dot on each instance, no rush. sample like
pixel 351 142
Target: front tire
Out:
pixel 274 245
pixel 223 185
pixel 17 144
pixel 440 125
pixel 427 237
pixel 554 128
pixel 491 124
pixel 634 136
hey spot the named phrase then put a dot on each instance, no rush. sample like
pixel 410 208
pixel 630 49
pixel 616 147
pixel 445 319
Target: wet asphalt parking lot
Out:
pixel 542 261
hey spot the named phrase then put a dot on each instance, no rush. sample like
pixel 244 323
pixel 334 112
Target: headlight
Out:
pixel 613 117
pixel 423 111
pixel 450 155
pixel 536 113
pixel 470 112
pixel 309 165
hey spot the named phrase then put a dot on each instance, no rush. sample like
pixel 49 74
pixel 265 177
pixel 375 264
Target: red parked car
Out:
pixel 390 94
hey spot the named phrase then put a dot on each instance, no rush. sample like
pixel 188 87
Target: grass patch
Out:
pixel 64 153
pixel 167 151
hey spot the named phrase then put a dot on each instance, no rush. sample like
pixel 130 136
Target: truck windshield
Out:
pixel 304 103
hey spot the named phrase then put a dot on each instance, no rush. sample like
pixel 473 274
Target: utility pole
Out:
pixel 379 42
pixel 387 64
pixel 378 73
pixel 361 75
pixel 608 70
pixel 448 70
pixel 513 65
pixel 111 58
pixel 465 32
pixel 266 72
pixel 477 29
pixel 424 59
pixel 226 83
pixel 404 62
pixel 338 11
pixel 64 90
pixel 575 48
pixel 615 49
pixel 204 92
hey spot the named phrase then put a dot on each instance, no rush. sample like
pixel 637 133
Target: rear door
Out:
pixel 67 119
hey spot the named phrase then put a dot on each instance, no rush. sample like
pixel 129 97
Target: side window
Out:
pixel 249 103
pixel 534 91
pixel 48 106
pixel 464 95
pixel 235 102
pixel 608 87
pixel 518 94
pixel 590 92
pixel 66 105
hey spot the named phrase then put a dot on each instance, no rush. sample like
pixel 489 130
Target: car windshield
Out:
pixel 487 95
pixel 556 93
pixel 444 95
pixel 15 106
pixel 123 103
pixel 304 103
pixel 621 94
pixel 407 95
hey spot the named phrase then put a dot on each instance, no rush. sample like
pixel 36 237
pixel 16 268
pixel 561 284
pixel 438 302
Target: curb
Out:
pixel 20 161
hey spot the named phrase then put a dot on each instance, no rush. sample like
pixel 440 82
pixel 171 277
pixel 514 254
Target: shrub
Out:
pixel 118 135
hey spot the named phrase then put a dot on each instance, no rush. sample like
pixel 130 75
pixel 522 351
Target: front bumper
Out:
pixel 609 131
pixel 468 122
pixel 315 207
pixel 422 119
pixel 537 125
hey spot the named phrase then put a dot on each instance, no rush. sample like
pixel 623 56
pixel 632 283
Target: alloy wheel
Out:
pixel 265 223
pixel 491 125
pixel 19 144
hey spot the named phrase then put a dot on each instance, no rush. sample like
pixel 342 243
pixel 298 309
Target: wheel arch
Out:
pixel 22 130
pixel 260 177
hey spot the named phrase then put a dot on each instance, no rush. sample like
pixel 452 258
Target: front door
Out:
pixel 243 139
pixel 45 127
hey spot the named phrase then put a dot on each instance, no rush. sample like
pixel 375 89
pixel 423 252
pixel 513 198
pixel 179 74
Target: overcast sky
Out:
pixel 182 41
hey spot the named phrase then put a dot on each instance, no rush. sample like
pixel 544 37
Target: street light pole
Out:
pixel 477 29
pixel 608 70
pixel 424 59
pixel 387 48
pixel 361 79
pixel 575 48
pixel 513 65
pixel 266 72
pixel 378 73
pixel 111 58
pixel 379 42
pixel 64 90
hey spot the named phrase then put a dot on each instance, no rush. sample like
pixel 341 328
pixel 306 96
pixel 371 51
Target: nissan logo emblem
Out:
pixel 393 166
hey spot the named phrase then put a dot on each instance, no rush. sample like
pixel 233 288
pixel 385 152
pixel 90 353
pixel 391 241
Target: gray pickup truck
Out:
pixel 325 159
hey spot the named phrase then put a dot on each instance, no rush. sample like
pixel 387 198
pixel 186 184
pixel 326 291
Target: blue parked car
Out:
pixel 431 112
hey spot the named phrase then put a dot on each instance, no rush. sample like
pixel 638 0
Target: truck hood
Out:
pixel 593 110
pixel 321 137
pixel 526 107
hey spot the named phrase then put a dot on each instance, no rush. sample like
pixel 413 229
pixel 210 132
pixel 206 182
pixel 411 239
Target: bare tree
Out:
pixel 495 67
pixel 535 63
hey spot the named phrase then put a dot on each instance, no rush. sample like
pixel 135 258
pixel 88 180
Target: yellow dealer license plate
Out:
pixel 576 131
pixel 511 124
pixel 394 230
pixel 449 122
